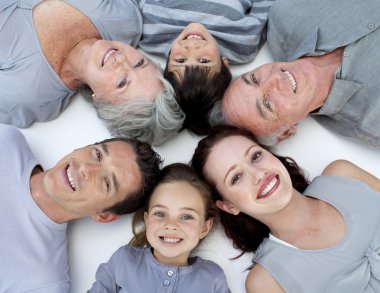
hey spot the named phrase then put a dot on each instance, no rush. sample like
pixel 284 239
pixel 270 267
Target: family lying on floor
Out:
pixel 326 66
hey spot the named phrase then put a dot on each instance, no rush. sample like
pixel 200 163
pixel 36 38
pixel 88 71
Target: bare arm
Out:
pixel 347 169
pixel 259 280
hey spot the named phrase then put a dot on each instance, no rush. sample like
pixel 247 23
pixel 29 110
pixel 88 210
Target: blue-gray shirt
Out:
pixel 301 27
pixel 239 26
pixel 30 89
pixel 350 266
pixel 132 269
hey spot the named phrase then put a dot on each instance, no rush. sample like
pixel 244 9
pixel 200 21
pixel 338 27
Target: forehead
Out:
pixel 177 195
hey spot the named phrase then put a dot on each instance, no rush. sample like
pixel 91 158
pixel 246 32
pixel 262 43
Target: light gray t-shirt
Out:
pixel 33 248
pixel 132 269
pixel 350 266
pixel 30 89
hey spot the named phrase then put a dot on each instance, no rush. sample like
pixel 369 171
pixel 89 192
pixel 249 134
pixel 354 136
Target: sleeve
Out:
pixel 105 281
pixel 220 285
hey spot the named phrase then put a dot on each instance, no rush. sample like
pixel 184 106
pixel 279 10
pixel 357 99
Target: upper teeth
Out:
pixel 108 55
pixel 171 240
pixel 292 80
pixel 194 37
pixel 70 177
pixel 268 187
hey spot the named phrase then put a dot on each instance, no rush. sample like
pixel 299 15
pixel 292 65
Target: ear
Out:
pixel 227 207
pixel 289 132
pixel 145 217
pixel 105 217
pixel 206 228
pixel 225 61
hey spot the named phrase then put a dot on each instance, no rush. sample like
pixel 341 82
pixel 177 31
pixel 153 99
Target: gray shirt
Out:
pixel 30 89
pixel 350 266
pixel 239 26
pixel 132 269
pixel 301 27
pixel 33 248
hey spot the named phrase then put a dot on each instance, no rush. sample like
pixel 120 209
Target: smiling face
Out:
pixel 195 46
pixel 272 96
pixel 118 73
pixel 93 178
pixel 175 222
pixel 249 178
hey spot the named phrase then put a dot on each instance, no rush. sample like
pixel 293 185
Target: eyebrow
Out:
pixel 246 79
pixel 165 207
pixel 114 180
pixel 259 107
pixel 234 166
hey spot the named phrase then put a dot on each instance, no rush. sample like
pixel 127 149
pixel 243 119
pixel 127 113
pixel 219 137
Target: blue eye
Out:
pixel 159 214
pixel 187 217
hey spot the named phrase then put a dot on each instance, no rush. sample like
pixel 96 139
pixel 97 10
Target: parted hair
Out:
pixel 177 172
pixel 196 92
pixel 246 232
pixel 149 163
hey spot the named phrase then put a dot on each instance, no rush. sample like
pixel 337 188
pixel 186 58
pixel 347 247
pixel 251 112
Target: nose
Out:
pixel 257 175
pixel 87 170
pixel 275 81
pixel 192 44
pixel 118 59
pixel 170 224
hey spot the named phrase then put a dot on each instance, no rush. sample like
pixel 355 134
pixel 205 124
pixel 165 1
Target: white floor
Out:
pixel 91 243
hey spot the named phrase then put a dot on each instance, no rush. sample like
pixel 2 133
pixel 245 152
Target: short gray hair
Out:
pixel 216 117
pixel 152 121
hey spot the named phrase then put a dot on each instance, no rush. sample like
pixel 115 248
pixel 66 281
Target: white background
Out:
pixel 91 243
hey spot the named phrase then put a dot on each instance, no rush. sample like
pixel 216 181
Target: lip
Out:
pixel 292 80
pixel 268 181
pixel 107 55
pixel 194 33
pixel 67 180
pixel 168 243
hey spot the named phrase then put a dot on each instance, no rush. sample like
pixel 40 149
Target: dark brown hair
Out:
pixel 246 232
pixel 173 173
pixel 196 93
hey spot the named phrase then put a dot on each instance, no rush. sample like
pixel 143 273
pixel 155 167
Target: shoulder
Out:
pixel 347 169
pixel 207 265
pixel 260 280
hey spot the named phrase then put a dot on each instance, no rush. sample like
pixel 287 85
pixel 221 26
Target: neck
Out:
pixel 55 212
pixel 294 219
pixel 326 67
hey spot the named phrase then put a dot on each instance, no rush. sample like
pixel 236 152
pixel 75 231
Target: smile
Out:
pixel 271 187
pixel 194 36
pixel 170 240
pixel 107 55
pixel 70 178
pixel 292 80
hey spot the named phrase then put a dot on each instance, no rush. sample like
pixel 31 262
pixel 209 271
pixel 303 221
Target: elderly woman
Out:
pixel 328 228
pixel 51 49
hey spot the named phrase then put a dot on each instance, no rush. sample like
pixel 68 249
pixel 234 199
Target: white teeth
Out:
pixel 70 177
pixel 108 55
pixel 269 187
pixel 171 240
pixel 292 80
pixel 194 37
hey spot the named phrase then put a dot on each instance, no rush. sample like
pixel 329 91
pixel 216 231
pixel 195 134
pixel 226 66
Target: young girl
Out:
pixel 317 237
pixel 177 216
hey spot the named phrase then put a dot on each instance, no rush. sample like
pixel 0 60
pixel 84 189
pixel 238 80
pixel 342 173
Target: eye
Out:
pixel 180 60
pixel 187 217
pixel 235 178
pixel 254 79
pixel 140 63
pixel 107 184
pixel 255 156
pixel 203 60
pixel 267 103
pixel 98 154
pixel 159 214
pixel 122 83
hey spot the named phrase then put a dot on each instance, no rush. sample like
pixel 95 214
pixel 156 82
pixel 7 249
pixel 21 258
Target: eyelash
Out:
pixel 99 158
pixel 267 104
pixel 203 60
pixel 140 63
pixel 159 214
pixel 179 60
pixel 98 155
pixel 254 79
pixel 182 60
pixel 122 83
pixel 254 157
pixel 187 217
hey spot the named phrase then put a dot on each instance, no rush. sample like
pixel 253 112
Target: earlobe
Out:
pixel 105 217
pixel 289 132
pixel 227 207
pixel 225 61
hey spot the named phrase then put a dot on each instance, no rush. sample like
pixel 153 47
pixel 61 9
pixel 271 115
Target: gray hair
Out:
pixel 216 117
pixel 153 121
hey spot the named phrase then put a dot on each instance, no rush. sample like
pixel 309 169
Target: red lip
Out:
pixel 265 184
pixel 105 54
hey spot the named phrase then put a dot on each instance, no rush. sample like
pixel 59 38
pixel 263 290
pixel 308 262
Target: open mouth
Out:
pixel 269 188
pixel 107 55
pixel 169 240
pixel 292 80
pixel 70 178
pixel 194 36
